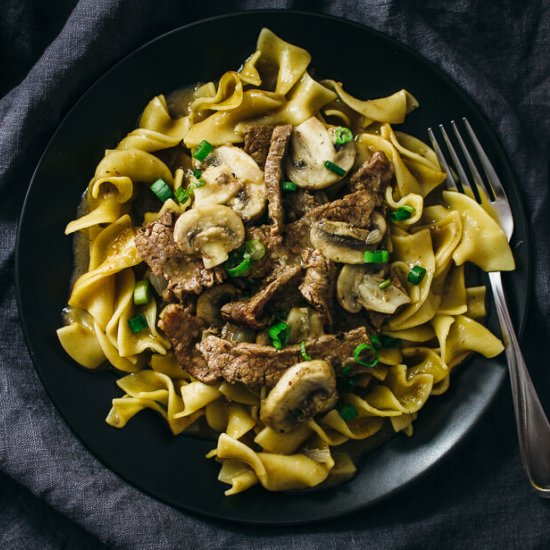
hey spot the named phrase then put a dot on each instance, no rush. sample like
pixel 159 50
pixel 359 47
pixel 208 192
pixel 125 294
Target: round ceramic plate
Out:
pixel 173 469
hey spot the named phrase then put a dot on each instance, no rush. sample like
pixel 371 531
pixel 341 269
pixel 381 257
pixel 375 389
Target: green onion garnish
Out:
pixel 416 274
pixel 347 411
pixel 402 213
pixel 203 150
pixel 366 347
pixel 338 170
pixel 240 269
pixel 279 334
pixel 181 194
pixel 255 249
pixel 376 256
pixel 141 292
pixel 197 174
pixel 162 190
pixel 389 342
pixel 346 370
pixel 342 135
pixel 375 341
pixel 384 284
pixel 289 186
pixel 303 352
pixel 138 323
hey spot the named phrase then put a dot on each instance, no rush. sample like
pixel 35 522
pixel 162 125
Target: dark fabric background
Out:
pixel 54 494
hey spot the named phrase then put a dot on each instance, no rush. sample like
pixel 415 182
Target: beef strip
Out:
pixel 256 365
pixel 298 203
pixel 257 140
pixel 251 312
pixel 319 283
pixel 355 209
pixel 273 174
pixel 184 330
pixel 156 246
pixel 373 175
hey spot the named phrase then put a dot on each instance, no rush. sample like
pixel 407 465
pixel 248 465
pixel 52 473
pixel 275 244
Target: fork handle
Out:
pixel 532 424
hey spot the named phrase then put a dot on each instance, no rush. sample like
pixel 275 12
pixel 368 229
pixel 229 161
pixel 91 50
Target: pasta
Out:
pixel 266 258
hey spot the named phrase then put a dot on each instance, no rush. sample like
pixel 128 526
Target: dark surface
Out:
pixel 130 452
pixel 478 498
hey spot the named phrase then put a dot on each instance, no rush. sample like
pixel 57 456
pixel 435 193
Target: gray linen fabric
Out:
pixel 55 494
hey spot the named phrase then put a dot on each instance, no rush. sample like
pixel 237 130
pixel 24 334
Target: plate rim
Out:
pixel 521 315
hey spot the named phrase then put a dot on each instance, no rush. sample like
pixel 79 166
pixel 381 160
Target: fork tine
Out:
pixel 496 185
pixel 449 182
pixel 481 186
pixel 458 165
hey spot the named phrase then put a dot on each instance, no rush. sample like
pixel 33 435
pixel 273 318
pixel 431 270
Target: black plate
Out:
pixel 173 469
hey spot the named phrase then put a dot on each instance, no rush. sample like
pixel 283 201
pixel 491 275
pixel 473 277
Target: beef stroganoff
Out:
pixel 268 259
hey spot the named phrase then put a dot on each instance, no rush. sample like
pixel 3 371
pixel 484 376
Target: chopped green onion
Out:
pixel 289 186
pixel 342 135
pixel 162 190
pixel 416 274
pixel 375 340
pixel 384 284
pixel 181 194
pixel 141 292
pixel 338 170
pixel 347 411
pixel 240 269
pixel 376 256
pixel 402 213
pixel 138 323
pixel 346 370
pixel 303 352
pixel 203 150
pixel 255 249
pixel 366 347
pixel 389 342
pixel 197 174
pixel 279 334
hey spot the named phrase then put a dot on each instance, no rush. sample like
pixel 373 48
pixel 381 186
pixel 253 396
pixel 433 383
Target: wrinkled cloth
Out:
pixel 55 494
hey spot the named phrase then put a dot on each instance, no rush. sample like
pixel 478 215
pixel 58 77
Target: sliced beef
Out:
pixel 184 330
pixel 273 174
pixel 257 140
pixel 319 283
pixel 156 246
pixel 256 365
pixel 374 175
pixel 355 209
pixel 251 312
pixel 298 203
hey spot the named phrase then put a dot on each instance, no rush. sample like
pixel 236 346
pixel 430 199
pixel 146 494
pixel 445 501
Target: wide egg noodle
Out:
pixel 483 242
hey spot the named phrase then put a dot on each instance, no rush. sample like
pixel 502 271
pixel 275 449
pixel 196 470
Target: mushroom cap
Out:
pixel 358 287
pixel 342 242
pixel 210 232
pixel 310 146
pixel 304 390
pixel 234 179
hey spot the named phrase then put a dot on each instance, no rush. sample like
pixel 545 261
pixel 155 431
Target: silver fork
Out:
pixel 532 425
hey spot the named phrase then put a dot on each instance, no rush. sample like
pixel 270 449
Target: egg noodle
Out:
pixel 436 329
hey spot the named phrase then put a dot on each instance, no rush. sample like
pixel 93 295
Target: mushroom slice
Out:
pixel 358 287
pixel 210 232
pixel 342 242
pixel 311 146
pixel 304 390
pixel 304 323
pixel 211 300
pixel 234 179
